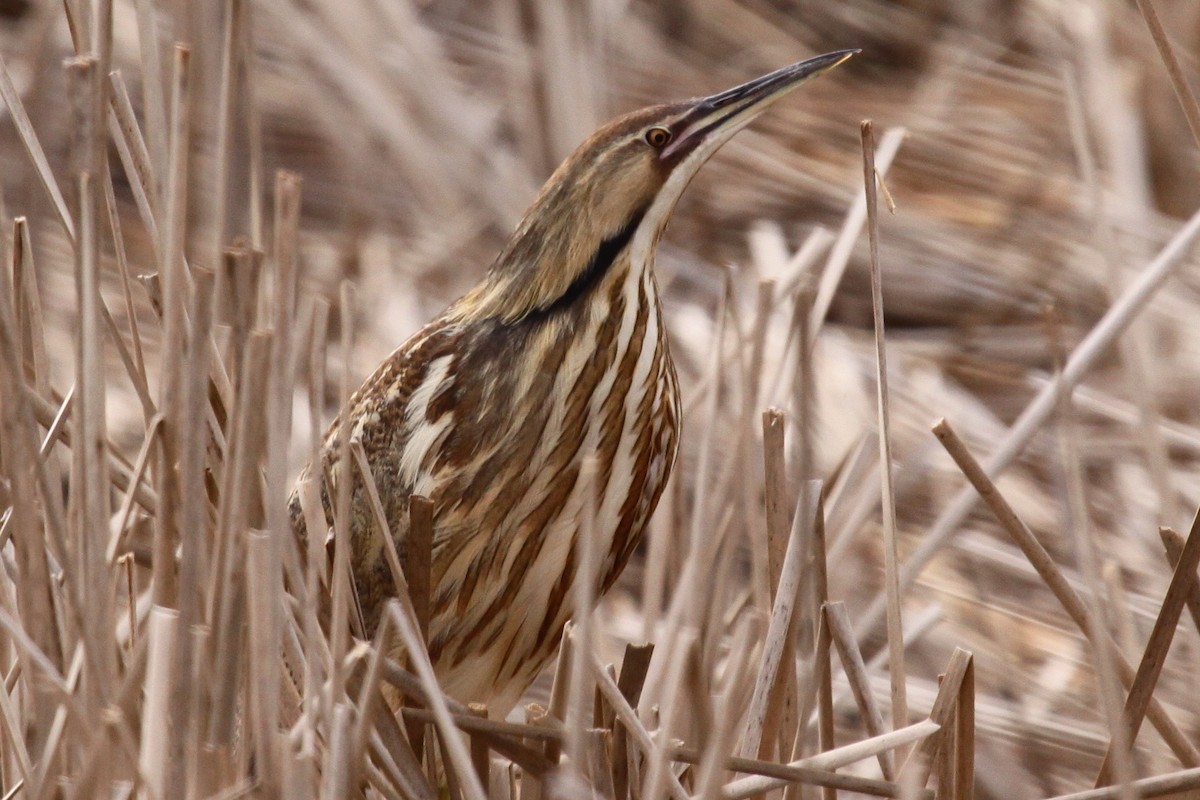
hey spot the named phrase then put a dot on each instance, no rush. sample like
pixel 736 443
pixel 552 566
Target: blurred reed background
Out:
pixel 1042 171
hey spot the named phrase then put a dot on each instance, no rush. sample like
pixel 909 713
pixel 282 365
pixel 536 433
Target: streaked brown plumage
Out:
pixel 491 408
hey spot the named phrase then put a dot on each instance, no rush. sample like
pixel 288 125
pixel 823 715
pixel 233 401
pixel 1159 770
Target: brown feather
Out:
pixel 559 354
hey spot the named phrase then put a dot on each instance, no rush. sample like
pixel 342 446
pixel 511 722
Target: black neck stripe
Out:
pixel 606 253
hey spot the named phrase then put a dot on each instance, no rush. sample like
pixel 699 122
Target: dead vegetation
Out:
pixel 816 621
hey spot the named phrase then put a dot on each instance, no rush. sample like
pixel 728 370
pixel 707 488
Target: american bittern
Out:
pixel 558 354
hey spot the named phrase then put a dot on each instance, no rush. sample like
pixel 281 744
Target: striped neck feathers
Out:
pixel 578 230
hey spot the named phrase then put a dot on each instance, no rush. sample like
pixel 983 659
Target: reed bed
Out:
pixel 926 534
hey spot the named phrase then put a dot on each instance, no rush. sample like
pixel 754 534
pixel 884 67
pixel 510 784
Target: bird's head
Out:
pixel 618 189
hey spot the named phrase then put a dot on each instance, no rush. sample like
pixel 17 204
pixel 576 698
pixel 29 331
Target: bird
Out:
pixel 558 355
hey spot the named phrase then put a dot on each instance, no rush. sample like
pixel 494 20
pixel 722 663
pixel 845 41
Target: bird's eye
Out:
pixel 658 137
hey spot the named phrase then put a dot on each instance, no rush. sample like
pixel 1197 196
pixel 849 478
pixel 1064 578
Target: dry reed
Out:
pixel 159 628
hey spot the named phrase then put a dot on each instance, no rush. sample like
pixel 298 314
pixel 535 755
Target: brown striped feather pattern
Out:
pixel 559 354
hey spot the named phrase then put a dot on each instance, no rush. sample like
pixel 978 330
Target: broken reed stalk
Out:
pixel 837 622
pixel 89 499
pixel 794 777
pixel 193 550
pixel 420 558
pixel 495 732
pixel 340 719
pixel 796 566
pixel 479 749
pixel 1174 784
pixel 843 246
pixel 839 757
pixel 1050 574
pixel 452 745
pixel 891 548
pixel 1080 362
pixel 823 670
pixel 268 547
pixel 264 630
pixel 174 285
pixel 560 689
pixel 945 706
pixel 161 632
pixel 963 768
pixel 1183 585
pixel 806 617
pixel 658 775
pixel 226 87
pixel 762 578
pixel 1173 545
pixel 28 318
pixel 629 685
pixel 776 518
pixel 584 591
pixel 84 569
pixel 282 379
pixel 775 487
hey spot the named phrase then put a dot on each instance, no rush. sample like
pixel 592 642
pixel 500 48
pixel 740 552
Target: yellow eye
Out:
pixel 658 137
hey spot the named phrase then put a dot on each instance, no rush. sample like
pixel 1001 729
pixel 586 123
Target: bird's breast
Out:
pixel 499 438
pixel 493 421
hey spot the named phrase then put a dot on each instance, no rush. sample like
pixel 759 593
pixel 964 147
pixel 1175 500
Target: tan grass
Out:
pixel 160 631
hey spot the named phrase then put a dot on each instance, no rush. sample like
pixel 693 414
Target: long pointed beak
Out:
pixel 714 119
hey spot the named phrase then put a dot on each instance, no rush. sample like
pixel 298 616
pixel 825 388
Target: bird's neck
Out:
pixel 552 263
